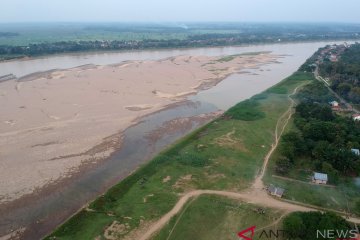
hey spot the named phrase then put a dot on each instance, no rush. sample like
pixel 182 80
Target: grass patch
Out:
pixel 247 110
pixel 278 90
pixel 194 160
pixel 232 57
pixel 227 58
pixel 213 217
pixel 94 221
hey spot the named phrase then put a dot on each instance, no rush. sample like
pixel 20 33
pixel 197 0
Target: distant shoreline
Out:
pixel 101 51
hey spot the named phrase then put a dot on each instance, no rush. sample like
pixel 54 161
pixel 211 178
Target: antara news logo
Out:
pixel 248 234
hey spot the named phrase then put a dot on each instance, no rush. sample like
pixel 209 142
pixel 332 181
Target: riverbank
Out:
pixel 224 155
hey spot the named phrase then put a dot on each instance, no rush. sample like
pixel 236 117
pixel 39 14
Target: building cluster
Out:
pixel 332 52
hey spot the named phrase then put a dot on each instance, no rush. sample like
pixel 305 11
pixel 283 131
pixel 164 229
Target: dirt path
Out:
pixel 250 198
pixel 275 223
pixel 254 195
pixel 258 183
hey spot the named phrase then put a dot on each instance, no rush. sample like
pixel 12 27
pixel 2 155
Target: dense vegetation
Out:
pixel 304 225
pixel 247 110
pixel 322 139
pixel 345 73
pixel 39 39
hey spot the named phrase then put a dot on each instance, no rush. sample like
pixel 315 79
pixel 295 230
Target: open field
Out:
pixel 213 218
pixel 226 154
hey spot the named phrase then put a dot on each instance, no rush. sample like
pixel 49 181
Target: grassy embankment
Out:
pixel 226 154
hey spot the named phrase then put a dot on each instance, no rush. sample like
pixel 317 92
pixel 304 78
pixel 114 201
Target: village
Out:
pixel 338 106
pixel 318 178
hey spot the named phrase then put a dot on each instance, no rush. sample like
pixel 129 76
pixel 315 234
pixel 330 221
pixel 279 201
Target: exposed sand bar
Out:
pixel 51 123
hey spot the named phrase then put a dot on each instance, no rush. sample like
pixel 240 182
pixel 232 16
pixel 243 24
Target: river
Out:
pixel 41 213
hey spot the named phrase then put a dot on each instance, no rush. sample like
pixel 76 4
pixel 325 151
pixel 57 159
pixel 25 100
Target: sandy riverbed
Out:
pixel 51 123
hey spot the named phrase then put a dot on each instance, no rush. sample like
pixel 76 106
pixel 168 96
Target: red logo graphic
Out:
pixel 250 229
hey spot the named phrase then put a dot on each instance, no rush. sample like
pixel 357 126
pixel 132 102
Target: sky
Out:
pixel 179 10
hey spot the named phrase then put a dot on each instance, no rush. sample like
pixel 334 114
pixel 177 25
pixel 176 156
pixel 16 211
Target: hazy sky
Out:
pixel 180 10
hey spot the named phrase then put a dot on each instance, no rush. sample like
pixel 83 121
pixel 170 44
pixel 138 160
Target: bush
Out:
pixel 194 160
pixel 247 110
pixel 283 164
pixel 303 225
pixel 278 90
pixel 259 96
pixel 357 207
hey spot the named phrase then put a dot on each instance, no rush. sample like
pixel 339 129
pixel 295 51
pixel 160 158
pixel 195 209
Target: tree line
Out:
pixel 195 40
pixel 322 139
pixel 345 73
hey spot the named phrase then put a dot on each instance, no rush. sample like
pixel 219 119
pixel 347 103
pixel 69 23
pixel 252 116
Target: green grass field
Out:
pixel 213 218
pixel 226 154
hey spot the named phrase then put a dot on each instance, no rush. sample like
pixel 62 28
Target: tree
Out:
pixel 354 95
pixel 357 207
pixel 321 150
pixel 283 164
pixel 331 172
pixel 304 225
pixel 294 227
pixel 343 89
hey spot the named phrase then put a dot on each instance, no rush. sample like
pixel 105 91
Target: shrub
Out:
pixel 194 160
pixel 278 90
pixel 247 110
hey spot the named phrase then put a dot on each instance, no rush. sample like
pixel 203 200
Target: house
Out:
pixel 276 191
pixel 333 58
pixel 356 117
pixel 334 104
pixel 320 178
pixel 355 151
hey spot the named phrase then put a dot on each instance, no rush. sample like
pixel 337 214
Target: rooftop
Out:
pixel 276 190
pixel 320 176
pixel 355 151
